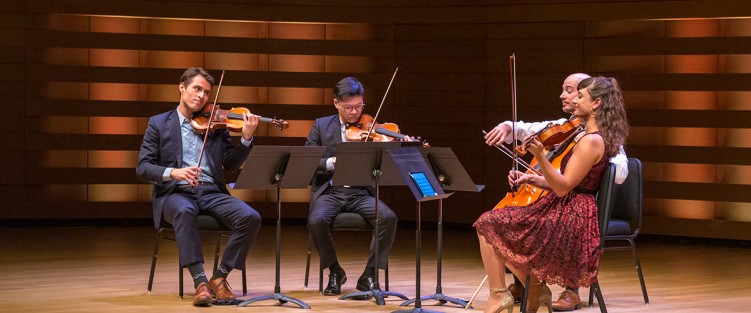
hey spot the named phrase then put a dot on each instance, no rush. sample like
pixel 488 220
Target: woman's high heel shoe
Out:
pixel 507 302
pixel 544 297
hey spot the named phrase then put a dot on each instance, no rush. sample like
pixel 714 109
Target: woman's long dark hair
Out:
pixel 611 115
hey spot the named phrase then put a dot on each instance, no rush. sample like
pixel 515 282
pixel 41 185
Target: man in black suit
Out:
pixel 183 189
pixel 327 201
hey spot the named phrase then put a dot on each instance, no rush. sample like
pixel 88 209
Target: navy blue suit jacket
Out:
pixel 162 148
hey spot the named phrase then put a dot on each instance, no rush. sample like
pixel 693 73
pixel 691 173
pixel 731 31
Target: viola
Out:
pixel 381 133
pixel 527 193
pixel 231 119
pixel 552 134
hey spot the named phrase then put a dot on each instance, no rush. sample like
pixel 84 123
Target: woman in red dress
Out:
pixel 556 239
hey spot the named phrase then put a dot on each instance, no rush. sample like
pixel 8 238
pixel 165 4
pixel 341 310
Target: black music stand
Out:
pixel 277 167
pixel 410 162
pixel 451 176
pixel 361 164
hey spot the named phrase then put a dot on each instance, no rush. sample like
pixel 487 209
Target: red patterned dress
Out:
pixel 556 239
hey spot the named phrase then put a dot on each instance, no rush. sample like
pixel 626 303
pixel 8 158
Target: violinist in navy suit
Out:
pixel 184 189
pixel 327 201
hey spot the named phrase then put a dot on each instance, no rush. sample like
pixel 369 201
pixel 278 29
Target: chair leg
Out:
pixel 595 288
pixel 638 270
pixel 153 259
pixel 320 279
pixel 180 281
pixel 245 282
pixel 216 252
pixel 307 261
pixel 525 295
pixel 386 275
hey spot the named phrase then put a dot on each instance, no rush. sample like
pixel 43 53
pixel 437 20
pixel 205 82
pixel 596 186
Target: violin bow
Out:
pixel 514 163
pixel 510 154
pixel 375 118
pixel 211 118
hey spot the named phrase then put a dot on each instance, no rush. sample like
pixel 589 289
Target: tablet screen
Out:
pixel 423 184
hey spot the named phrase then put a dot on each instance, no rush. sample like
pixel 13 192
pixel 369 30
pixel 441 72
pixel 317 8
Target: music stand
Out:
pixel 361 164
pixel 277 167
pixel 451 176
pixel 424 187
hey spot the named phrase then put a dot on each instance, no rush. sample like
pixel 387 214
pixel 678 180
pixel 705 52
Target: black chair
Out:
pixel 625 221
pixel 605 199
pixel 206 224
pixel 345 221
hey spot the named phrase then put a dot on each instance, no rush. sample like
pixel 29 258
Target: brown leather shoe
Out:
pixel 202 296
pixel 567 301
pixel 220 288
pixel 516 290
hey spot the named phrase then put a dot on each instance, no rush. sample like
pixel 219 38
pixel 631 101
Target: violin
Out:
pixel 231 119
pixel 367 129
pixel 381 133
pixel 552 134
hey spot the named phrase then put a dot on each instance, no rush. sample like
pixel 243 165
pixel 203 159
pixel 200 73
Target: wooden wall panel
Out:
pixel 87 74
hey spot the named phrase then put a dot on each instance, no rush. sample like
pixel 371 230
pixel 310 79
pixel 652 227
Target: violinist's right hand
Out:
pixel 188 174
pixel 497 135
pixel 330 163
pixel 514 177
pixel 520 178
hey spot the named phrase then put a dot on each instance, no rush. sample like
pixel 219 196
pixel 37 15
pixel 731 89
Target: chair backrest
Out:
pixel 605 200
pixel 628 197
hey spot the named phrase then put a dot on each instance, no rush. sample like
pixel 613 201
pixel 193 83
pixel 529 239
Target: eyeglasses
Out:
pixel 350 108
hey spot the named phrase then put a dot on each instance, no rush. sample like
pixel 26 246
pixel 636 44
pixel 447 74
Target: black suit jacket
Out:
pixel 326 132
pixel 162 148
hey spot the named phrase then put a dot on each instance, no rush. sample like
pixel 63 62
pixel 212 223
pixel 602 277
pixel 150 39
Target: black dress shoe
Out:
pixel 336 280
pixel 366 283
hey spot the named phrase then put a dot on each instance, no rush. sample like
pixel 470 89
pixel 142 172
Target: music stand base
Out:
pixel 378 294
pixel 416 310
pixel 276 297
pixel 441 298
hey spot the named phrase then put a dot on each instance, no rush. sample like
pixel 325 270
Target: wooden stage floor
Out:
pixel 100 269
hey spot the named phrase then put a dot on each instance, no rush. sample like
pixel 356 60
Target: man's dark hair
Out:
pixel 188 75
pixel 348 87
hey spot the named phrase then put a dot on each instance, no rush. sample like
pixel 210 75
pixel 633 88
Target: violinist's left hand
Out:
pixel 250 123
pixel 535 146
pixel 408 138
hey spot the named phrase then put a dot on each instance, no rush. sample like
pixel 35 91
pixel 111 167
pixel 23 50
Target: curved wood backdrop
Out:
pixel 82 76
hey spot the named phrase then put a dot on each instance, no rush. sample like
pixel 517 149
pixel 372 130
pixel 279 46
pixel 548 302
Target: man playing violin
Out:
pixel 569 299
pixel 327 201
pixel 183 189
